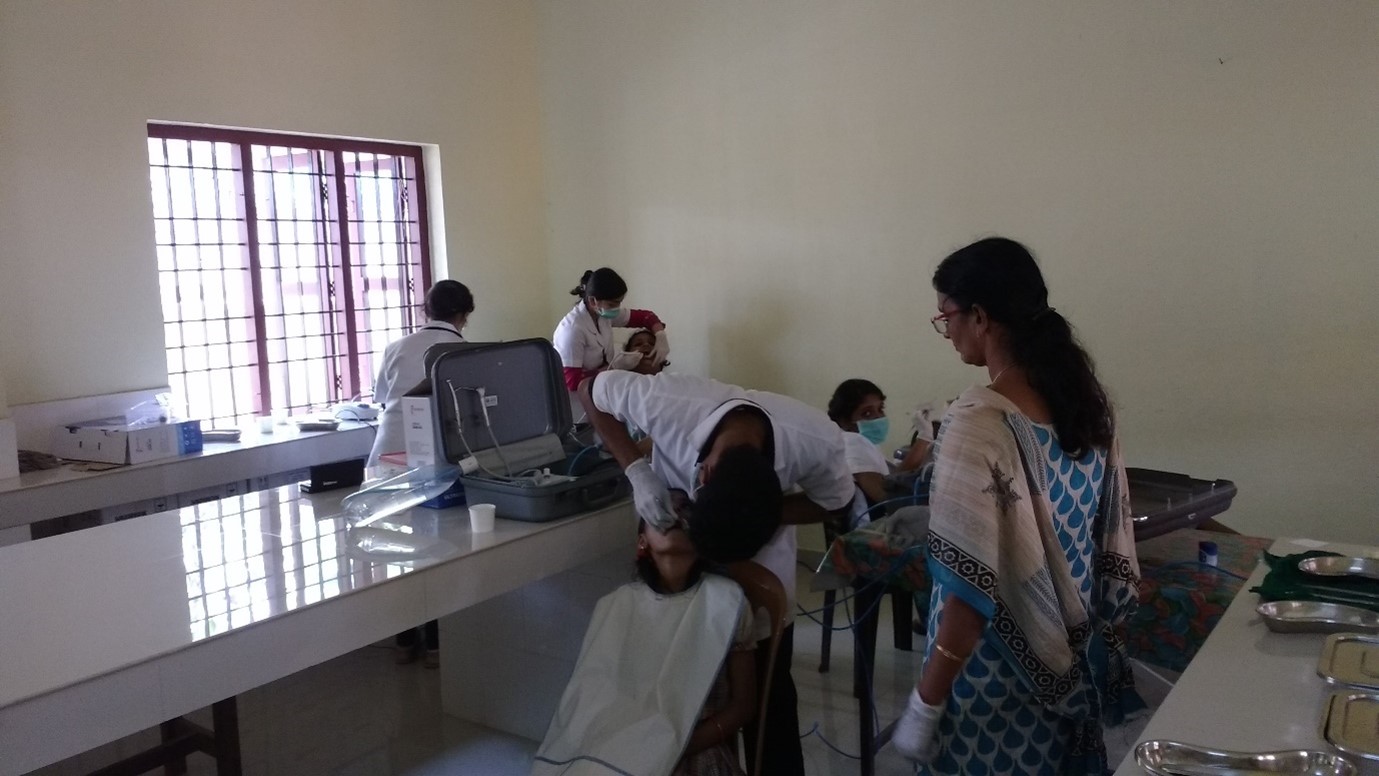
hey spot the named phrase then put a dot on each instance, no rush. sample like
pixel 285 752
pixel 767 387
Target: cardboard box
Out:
pixel 109 440
pixel 419 430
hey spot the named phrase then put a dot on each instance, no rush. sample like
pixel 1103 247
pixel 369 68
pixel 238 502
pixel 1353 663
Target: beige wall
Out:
pixel 779 178
pixel 79 303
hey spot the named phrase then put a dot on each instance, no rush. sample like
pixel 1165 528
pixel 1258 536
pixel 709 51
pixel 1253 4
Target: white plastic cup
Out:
pixel 481 518
pixel 266 424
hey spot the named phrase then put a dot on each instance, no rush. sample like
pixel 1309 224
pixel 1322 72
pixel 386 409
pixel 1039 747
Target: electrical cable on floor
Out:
pixel 857 651
pixel 814 731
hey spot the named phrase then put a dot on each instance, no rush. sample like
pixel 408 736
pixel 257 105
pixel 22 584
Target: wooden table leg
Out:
pixel 225 718
pixel 170 731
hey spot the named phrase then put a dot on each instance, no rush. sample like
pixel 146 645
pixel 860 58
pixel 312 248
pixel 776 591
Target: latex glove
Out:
pixel 921 425
pixel 916 732
pixel 661 352
pixel 651 495
pixel 627 360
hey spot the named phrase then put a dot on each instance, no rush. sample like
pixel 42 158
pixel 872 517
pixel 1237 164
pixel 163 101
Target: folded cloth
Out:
pixel 1286 582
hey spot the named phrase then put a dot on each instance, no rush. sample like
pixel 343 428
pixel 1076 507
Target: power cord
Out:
pixel 570 470
pixel 459 429
pixel 901 561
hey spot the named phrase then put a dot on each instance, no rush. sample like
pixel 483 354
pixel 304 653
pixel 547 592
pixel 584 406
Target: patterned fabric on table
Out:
pixel 1181 600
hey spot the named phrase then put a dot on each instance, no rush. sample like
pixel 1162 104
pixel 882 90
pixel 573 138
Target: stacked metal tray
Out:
pixel 1171 758
pixel 1349 658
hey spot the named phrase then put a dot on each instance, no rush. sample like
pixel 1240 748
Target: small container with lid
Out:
pixel 1207 553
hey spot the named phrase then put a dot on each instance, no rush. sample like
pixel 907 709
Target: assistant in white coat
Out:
pixel 584 337
pixel 448 305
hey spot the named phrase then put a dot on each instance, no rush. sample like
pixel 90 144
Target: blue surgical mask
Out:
pixel 610 313
pixel 875 430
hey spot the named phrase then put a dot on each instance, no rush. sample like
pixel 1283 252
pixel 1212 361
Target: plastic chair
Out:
pixel 901 607
pixel 764 591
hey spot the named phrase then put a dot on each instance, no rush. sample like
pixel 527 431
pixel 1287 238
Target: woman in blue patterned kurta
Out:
pixel 1030 546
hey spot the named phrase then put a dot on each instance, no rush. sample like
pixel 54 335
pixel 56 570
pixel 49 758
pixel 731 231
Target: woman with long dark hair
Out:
pixel 1030 543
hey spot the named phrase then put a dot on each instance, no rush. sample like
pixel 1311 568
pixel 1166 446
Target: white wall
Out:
pixel 79 303
pixel 779 178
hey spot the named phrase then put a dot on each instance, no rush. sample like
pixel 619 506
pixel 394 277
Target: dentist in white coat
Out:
pixel 448 305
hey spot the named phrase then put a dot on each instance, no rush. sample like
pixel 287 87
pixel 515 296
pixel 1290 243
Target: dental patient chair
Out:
pixel 764 591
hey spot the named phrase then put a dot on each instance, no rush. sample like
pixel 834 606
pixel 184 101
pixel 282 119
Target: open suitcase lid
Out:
pixel 505 403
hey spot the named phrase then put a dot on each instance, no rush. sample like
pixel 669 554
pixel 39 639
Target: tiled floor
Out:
pixel 360 715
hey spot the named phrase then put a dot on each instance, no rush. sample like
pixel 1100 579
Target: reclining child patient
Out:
pixel 643 343
pixel 666 675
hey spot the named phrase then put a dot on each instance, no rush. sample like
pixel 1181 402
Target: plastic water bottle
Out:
pixel 397 494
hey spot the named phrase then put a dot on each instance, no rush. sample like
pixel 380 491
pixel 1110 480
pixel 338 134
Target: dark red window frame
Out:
pixel 336 170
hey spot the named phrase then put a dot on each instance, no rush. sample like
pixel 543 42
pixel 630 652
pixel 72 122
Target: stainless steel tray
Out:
pixel 1317 617
pixel 1351 658
pixel 1172 758
pixel 1350 723
pixel 1337 566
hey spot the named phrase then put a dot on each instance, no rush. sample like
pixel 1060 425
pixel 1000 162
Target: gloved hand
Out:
pixel 916 732
pixel 651 495
pixel 921 425
pixel 661 352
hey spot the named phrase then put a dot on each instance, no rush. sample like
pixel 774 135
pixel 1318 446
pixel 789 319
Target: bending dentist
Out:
pixel 732 449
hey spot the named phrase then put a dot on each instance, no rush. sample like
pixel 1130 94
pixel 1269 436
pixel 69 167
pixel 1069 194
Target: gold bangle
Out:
pixel 948 654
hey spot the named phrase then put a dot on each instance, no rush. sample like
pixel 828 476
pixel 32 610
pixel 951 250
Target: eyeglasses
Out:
pixel 940 321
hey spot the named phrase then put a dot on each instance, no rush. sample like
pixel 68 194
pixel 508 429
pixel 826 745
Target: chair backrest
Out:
pixel 763 590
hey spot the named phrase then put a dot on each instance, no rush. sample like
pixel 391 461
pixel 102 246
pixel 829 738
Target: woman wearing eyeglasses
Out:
pixel 1030 544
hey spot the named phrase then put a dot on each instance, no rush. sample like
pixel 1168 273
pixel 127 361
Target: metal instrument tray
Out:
pixel 1351 658
pixel 1172 758
pixel 1350 723
pixel 1317 617
pixel 1162 502
pixel 1339 566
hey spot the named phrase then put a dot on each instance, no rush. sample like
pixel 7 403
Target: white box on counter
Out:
pixel 110 440
pixel 418 430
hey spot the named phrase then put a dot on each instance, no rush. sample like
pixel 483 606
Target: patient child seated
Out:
pixel 666 675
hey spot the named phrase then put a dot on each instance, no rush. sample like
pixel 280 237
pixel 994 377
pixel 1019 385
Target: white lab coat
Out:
pixel 585 342
pixel 680 411
pixel 863 456
pixel 403 367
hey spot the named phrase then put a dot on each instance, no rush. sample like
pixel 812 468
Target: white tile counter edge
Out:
pixel 140 696
pixel 40 495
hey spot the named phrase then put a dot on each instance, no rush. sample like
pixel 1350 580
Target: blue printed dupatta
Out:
pixel 993 544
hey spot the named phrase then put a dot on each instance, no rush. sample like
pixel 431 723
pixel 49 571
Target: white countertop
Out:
pixel 118 627
pixel 1250 689
pixel 51 493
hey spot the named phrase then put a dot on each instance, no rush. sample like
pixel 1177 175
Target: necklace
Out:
pixel 998 375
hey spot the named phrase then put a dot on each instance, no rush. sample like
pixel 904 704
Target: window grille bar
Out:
pixel 264 386
pixel 346 275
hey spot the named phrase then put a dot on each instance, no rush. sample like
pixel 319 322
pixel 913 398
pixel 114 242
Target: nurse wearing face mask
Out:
pixel 859 409
pixel 584 338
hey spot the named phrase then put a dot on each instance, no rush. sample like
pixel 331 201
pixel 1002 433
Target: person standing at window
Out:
pixel 448 305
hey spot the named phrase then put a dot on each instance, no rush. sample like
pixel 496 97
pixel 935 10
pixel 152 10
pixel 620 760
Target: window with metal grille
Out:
pixel 286 264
